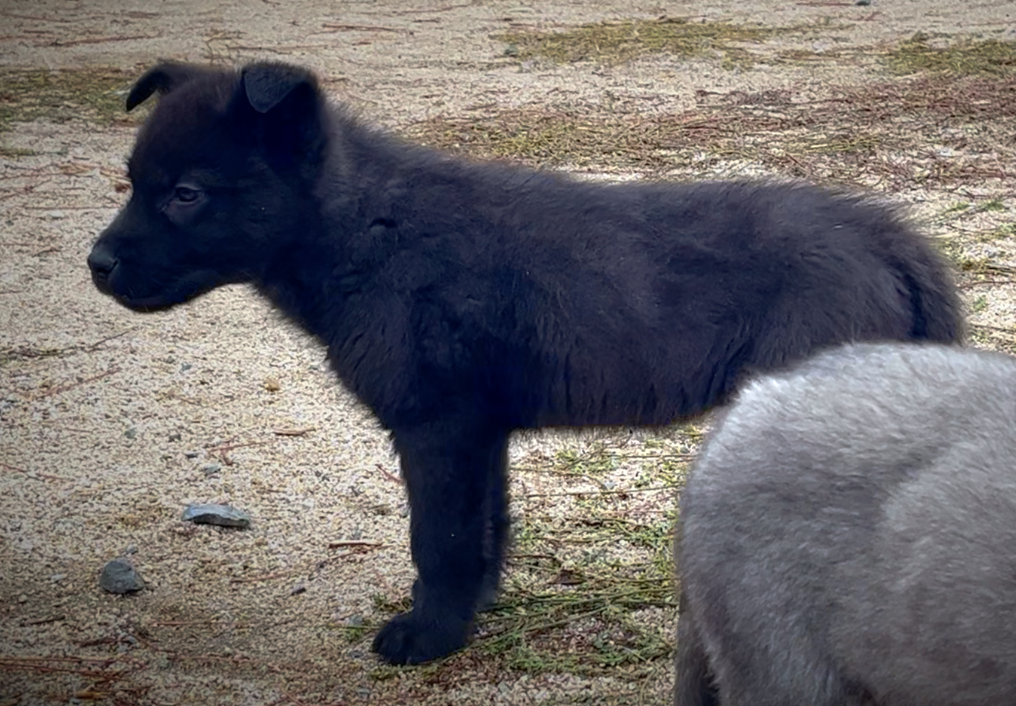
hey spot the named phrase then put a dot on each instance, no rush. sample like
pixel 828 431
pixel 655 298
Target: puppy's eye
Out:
pixel 186 194
pixel 186 201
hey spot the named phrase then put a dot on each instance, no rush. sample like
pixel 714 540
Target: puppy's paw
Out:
pixel 410 639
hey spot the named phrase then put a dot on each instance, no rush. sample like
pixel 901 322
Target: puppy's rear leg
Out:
pixel 446 467
pixel 694 684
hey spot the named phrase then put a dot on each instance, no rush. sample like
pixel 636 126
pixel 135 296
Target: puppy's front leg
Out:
pixel 447 469
pixel 496 513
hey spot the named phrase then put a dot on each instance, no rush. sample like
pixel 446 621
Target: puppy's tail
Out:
pixel 694 684
pixel 937 313
pixel 921 271
pixel 936 306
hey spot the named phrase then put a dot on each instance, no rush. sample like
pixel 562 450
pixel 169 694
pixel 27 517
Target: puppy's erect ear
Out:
pixel 164 77
pixel 268 84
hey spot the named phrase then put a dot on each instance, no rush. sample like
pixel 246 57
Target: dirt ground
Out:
pixel 111 422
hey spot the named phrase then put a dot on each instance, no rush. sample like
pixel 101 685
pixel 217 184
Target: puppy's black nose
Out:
pixel 102 262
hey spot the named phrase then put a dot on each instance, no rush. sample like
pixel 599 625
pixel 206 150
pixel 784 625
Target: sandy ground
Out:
pixel 111 422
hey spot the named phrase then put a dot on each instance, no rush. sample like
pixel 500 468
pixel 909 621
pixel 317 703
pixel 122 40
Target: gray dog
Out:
pixel 849 536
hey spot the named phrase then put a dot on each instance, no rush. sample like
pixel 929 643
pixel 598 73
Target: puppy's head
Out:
pixel 222 174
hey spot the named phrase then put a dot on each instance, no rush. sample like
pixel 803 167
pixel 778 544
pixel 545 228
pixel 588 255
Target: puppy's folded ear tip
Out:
pixel 268 83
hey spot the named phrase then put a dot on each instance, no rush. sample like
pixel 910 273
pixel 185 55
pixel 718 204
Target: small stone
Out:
pixel 355 621
pixel 131 433
pixel 175 437
pixel 118 576
pixel 131 549
pixel 211 469
pixel 211 514
pixel 57 577
pixel 184 367
pixel 191 454
pixel 863 3
pixel 54 214
pixel 298 589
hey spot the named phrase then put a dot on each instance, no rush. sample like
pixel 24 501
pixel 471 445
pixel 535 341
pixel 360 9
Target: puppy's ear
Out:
pixel 163 78
pixel 269 84
pixel 288 109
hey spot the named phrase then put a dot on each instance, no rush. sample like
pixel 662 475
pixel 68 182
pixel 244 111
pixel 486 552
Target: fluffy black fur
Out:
pixel 462 300
pixel 848 536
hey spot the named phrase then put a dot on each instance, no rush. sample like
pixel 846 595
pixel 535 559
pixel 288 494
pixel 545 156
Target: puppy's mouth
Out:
pixel 147 304
pixel 169 294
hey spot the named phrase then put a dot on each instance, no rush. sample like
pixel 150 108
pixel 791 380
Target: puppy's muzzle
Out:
pixel 102 262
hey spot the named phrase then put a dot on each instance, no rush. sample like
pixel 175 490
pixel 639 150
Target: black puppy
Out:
pixel 462 301
pixel 849 536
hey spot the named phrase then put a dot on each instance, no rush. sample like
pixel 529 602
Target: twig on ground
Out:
pixel 293 432
pixel 355 543
pixel 70 386
pixel 102 40
pixel 386 474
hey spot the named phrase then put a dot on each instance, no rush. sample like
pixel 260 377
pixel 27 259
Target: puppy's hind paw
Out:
pixel 410 639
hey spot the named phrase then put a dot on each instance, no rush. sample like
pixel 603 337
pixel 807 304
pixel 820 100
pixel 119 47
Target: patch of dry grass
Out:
pixel 966 56
pixel 935 129
pixel 94 94
pixel 618 42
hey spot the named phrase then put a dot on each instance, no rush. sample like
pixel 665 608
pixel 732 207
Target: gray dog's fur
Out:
pixel 849 536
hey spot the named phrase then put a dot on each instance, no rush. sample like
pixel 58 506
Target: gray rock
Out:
pixel 118 576
pixel 211 469
pixel 222 515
